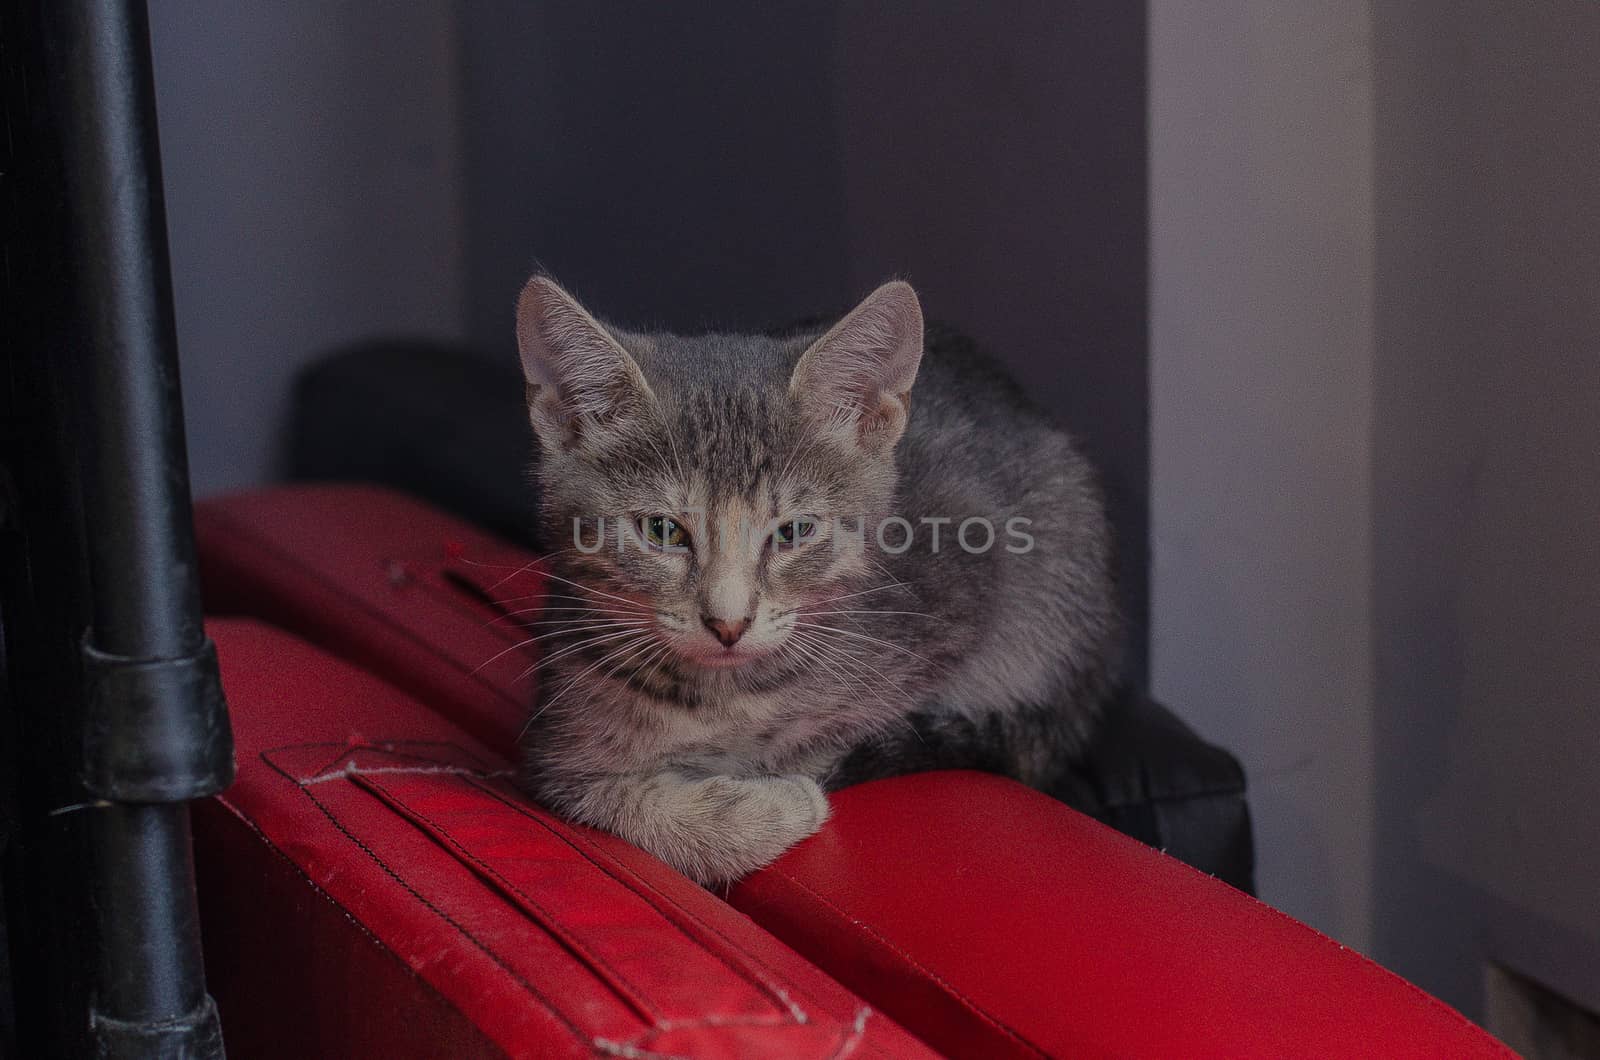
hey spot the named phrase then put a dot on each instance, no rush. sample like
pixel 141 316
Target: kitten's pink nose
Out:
pixel 727 632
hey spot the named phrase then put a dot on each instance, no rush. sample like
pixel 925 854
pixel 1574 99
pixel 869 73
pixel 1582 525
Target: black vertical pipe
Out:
pixel 149 994
pixel 139 493
pixel 155 730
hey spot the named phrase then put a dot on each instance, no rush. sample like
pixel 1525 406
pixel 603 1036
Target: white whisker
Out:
pixel 555 633
pixel 917 614
pixel 862 636
pixel 850 596
pixel 592 589
pixel 627 646
pixel 585 643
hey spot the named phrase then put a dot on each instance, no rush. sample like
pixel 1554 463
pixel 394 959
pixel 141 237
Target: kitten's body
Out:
pixel 870 661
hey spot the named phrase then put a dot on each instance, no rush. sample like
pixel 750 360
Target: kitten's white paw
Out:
pixel 807 788
pixel 748 822
pixel 712 829
pixel 800 801
pixel 727 827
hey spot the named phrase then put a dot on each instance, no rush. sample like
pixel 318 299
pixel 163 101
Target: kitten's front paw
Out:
pixel 803 801
pixel 713 829
pixel 744 823
pixel 716 829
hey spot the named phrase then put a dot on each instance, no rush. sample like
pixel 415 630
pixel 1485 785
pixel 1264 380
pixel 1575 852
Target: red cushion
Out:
pixel 373 886
pixel 988 919
pixel 1004 924
pixel 383 581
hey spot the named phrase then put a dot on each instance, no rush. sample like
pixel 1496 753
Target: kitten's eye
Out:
pixel 794 532
pixel 663 532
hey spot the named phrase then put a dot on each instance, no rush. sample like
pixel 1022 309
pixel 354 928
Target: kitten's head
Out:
pixel 711 487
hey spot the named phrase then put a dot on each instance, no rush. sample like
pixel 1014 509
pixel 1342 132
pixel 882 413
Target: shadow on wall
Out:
pixel 679 168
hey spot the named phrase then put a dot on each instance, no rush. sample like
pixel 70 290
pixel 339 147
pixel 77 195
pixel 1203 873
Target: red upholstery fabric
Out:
pixel 986 918
pixel 373 887
pixel 1005 925
pixel 295 973
pixel 385 582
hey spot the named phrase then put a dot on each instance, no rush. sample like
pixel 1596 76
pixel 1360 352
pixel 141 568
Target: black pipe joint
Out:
pixel 157 729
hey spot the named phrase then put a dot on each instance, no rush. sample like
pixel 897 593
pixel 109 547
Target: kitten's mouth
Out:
pixel 722 662
pixel 726 659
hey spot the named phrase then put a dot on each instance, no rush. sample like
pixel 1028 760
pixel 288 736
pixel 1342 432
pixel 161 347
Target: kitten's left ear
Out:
pixel 856 380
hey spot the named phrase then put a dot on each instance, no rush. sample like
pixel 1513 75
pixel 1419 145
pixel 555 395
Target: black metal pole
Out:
pixel 156 731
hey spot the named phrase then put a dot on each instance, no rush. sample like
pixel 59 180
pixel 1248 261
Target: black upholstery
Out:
pixel 449 426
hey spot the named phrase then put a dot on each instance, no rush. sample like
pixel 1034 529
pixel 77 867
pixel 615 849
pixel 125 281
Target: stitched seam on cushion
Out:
pixel 300 871
pixel 633 1052
pixel 850 1034
pixel 780 1003
pixel 933 977
pixel 855 1035
pixel 307 573
pixel 779 995
pixel 346 749
pixel 550 923
pixel 533 991
pixel 1362 958
pixel 1433 1002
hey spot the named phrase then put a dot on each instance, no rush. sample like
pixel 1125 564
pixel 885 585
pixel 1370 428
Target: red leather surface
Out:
pixel 988 919
pixel 372 886
pixel 296 975
pixel 997 923
pixel 386 582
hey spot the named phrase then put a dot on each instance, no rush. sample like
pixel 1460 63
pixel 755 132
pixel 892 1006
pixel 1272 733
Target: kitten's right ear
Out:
pixel 580 381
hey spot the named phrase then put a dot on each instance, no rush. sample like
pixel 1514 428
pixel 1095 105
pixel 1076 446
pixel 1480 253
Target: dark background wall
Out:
pixel 737 165
pixel 312 171
pixel 339 171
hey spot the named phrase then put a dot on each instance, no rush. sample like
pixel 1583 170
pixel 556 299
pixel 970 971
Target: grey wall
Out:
pixel 312 179
pixel 1376 467
pixel 1261 395
pixel 1487 505
pixel 738 165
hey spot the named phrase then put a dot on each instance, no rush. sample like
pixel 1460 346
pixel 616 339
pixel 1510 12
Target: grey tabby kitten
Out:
pixel 734 628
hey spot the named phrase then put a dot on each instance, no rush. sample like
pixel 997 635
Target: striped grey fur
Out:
pixel 855 661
